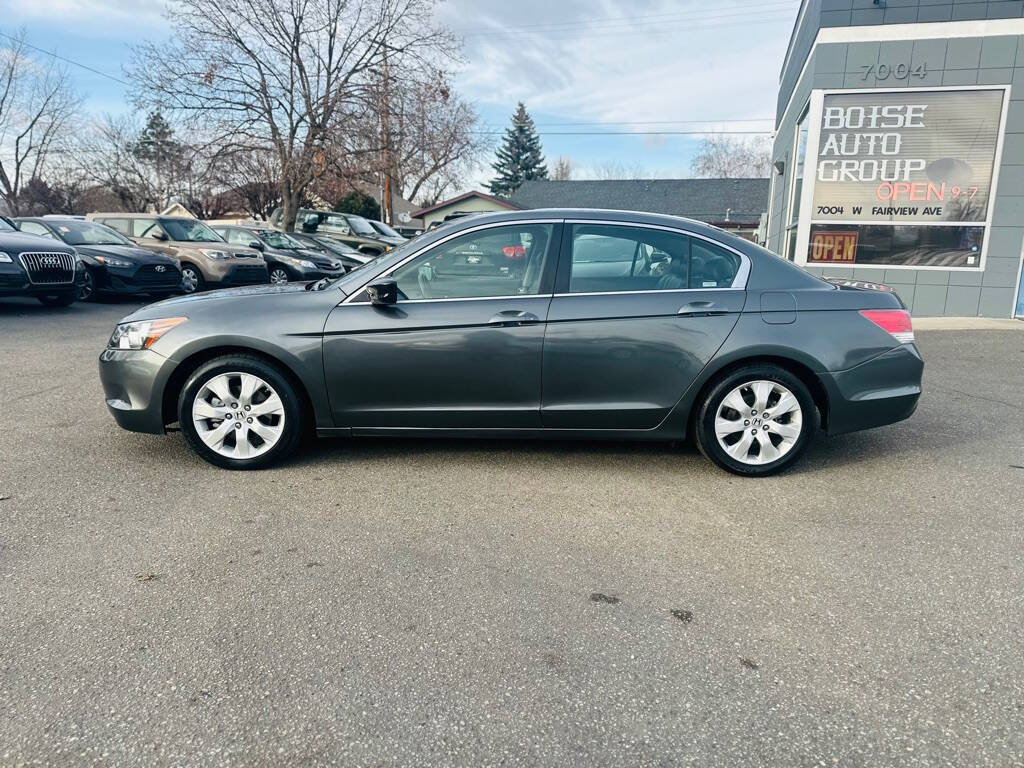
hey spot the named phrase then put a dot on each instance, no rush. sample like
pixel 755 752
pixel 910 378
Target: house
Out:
pixel 177 209
pixel 470 202
pixel 733 204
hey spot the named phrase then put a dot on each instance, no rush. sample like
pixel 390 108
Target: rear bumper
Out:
pixel 881 391
pixel 133 386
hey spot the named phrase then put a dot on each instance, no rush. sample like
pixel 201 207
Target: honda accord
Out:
pixel 607 324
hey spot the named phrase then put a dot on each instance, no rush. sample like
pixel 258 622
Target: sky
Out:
pixel 610 83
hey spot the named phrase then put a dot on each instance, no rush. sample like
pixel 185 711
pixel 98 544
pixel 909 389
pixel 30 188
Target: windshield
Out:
pixel 361 226
pixel 189 231
pixel 75 232
pixel 333 245
pixel 5 227
pixel 279 240
pixel 384 229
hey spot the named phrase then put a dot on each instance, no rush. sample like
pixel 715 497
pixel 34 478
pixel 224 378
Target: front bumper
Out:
pixel 243 274
pixel 145 279
pixel 877 392
pixel 133 385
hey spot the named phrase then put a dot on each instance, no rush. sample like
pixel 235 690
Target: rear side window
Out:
pixel 121 225
pixel 608 258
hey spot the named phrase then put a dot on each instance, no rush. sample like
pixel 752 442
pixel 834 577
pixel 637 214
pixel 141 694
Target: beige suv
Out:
pixel 206 260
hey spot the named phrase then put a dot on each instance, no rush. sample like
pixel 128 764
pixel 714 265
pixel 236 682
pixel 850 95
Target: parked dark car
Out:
pixel 619 326
pixel 346 228
pixel 287 259
pixel 348 255
pixel 36 267
pixel 113 263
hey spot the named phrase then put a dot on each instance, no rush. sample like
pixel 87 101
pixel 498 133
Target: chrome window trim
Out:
pixel 646 290
pixel 431 246
pixel 738 282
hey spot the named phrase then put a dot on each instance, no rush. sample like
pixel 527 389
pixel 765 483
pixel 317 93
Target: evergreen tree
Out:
pixel 359 203
pixel 519 157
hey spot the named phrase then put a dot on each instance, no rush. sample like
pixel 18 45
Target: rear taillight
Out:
pixel 896 322
pixel 514 251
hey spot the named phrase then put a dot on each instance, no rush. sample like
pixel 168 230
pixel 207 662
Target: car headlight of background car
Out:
pixel 143 333
pixel 5 258
pixel 304 263
pixel 112 261
pixel 214 254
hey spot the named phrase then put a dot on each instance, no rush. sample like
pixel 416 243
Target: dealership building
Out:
pixel 899 150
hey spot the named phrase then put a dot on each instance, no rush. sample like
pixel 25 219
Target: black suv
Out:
pixel 34 266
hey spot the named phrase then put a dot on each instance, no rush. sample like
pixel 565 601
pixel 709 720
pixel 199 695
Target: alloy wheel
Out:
pixel 189 280
pixel 87 287
pixel 278 276
pixel 238 415
pixel 758 422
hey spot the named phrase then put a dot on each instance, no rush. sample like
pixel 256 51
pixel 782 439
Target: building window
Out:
pixel 904 178
pixel 900 245
pixel 799 157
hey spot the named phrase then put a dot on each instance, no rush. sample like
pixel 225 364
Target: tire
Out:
pixel 221 446
pixel 58 299
pixel 192 280
pixel 734 407
pixel 279 275
pixel 86 290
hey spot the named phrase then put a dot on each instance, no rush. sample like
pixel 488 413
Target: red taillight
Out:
pixel 514 251
pixel 893 321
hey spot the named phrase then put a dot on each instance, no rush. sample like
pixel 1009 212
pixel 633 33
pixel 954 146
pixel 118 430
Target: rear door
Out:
pixel 461 349
pixel 638 311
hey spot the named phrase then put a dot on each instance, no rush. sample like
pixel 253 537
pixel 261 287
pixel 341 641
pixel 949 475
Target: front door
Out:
pixel 462 347
pixel 637 314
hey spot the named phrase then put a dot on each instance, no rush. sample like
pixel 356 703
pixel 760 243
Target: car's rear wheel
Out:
pixel 240 412
pixel 191 278
pixel 756 420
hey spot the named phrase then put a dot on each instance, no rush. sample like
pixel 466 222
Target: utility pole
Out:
pixel 386 204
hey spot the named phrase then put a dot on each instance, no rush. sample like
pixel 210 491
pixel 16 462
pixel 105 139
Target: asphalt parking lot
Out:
pixel 486 603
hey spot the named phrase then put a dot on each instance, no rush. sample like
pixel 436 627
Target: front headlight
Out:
pixel 5 258
pixel 210 254
pixel 304 263
pixel 142 334
pixel 112 261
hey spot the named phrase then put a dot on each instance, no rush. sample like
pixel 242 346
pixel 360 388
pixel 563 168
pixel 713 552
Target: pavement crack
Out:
pixel 35 393
pixel 974 397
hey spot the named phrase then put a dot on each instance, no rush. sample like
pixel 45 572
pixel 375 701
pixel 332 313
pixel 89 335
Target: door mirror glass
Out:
pixel 383 292
pixel 256 244
pixel 157 235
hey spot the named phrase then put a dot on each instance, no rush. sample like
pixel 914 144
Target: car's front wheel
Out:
pixel 278 275
pixel 756 420
pixel 240 412
pixel 191 278
pixel 87 287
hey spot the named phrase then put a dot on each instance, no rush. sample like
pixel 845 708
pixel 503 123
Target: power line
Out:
pixel 663 122
pixel 65 59
pixel 637 133
pixel 615 21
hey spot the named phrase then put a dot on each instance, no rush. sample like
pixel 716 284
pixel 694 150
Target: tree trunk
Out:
pixel 289 207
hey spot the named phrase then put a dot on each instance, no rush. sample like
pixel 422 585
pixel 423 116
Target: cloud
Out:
pixel 648 60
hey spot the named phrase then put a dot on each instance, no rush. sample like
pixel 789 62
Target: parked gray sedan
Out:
pixel 542 323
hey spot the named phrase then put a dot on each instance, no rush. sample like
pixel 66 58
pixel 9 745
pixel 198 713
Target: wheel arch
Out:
pixel 191 363
pixel 802 369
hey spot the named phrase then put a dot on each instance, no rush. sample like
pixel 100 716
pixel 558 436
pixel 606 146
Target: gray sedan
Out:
pixel 542 323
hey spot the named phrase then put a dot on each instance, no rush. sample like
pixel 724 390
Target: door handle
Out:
pixel 701 308
pixel 513 317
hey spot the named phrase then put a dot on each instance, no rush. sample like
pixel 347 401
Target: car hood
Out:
pixel 130 252
pixel 19 242
pixel 250 293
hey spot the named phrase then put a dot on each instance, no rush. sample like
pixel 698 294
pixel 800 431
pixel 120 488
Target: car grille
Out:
pixel 246 255
pixel 148 275
pixel 49 268
pixel 248 273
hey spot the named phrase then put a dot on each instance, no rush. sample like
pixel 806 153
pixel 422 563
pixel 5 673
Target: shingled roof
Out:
pixel 710 200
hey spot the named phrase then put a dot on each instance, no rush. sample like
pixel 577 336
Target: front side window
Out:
pixel 145 228
pixel 279 240
pixel 500 261
pixel 611 259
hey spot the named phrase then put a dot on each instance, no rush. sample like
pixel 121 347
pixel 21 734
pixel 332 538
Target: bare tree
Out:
pixel 251 178
pixel 614 170
pixel 279 75
pixel 562 170
pixel 727 157
pixel 36 105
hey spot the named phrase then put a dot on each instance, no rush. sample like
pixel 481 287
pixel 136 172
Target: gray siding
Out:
pixel 993 60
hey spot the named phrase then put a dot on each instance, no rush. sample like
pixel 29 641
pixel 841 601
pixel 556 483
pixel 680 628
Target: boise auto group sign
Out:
pixel 912 157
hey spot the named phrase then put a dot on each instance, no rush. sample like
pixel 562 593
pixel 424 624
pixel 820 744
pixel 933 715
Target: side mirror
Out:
pixel 383 292
pixel 159 235
pixel 258 245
